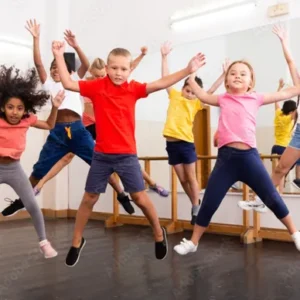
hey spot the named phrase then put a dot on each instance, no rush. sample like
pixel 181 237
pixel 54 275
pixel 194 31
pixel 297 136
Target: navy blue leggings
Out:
pixel 239 165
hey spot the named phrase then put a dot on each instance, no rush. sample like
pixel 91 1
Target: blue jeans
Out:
pixel 239 165
pixel 63 139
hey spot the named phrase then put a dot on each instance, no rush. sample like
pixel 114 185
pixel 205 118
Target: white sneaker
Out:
pixel 185 247
pixel 296 239
pixel 256 205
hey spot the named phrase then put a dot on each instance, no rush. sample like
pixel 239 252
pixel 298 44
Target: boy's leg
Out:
pixel 154 186
pixel 129 170
pixel 224 174
pixel 96 184
pixel 53 150
pixel 83 146
pixel 53 172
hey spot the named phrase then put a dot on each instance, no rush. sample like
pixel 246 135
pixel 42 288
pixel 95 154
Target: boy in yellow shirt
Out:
pixel 178 131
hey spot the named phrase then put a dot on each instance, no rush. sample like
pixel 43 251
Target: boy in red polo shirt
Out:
pixel 114 100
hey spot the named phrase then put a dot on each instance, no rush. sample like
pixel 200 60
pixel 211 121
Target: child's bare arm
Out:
pixel 34 29
pixel 50 122
pixel 165 82
pixel 85 64
pixel 137 61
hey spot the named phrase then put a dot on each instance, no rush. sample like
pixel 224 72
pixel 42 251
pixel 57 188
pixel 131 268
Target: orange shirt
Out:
pixel 13 137
pixel 88 118
pixel 114 108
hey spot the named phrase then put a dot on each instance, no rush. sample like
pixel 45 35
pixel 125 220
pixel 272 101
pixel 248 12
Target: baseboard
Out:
pixel 215 228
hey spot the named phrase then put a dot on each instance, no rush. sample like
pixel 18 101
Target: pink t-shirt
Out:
pixel 87 118
pixel 237 122
pixel 13 137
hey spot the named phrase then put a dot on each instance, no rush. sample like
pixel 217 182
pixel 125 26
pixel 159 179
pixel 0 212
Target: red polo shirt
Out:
pixel 114 107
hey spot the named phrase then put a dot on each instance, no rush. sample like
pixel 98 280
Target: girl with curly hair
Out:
pixel 19 101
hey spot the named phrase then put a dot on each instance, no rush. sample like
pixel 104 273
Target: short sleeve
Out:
pixel 89 88
pixel 139 89
pixel 199 105
pixel 31 120
pixel 173 93
pixel 260 99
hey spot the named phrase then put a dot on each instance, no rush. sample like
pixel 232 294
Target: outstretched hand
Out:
pixel 226 65
pixel 58 48
pixel 70 38
pixel 196 63
pixel 33 28
pixel 166 48
pixel 58 99
pixel 280 32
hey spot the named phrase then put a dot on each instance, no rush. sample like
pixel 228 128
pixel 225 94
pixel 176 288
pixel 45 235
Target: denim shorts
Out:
pixel 295 142
pixel 63 139
pixel 125 165
pixel 181 152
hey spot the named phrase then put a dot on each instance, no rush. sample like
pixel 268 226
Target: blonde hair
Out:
pixel 119 52
pixel 98 63
pixel 251 87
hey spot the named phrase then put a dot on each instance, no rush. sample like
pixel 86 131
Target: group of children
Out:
pixel 109 119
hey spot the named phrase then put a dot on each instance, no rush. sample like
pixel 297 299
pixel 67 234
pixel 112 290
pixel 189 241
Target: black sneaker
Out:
pixel 13 208
pixel 296 183
pixel 74 254
pixel 125 202
pixel 161 248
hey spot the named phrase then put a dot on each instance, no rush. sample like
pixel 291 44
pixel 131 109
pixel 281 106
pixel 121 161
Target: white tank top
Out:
pixel 72 101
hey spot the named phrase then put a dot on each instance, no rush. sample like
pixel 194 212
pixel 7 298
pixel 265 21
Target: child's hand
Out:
pixel 281 84
pixel 70 38
pixel 144 50
pixel 280 32
pixel 58 48
pixel 226 65
pixel 166 48
pixel 196 62
pixel 58 99
pixel 33 28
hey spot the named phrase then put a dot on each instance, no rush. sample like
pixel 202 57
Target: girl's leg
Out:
pixel 18 180
pixel 224 174
pixel 258 179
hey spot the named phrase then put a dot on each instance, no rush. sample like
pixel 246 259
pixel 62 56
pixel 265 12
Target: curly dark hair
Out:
pixel 13 84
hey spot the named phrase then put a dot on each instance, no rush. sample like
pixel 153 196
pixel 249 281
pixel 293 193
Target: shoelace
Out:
pixel 185 243
pixel 9 200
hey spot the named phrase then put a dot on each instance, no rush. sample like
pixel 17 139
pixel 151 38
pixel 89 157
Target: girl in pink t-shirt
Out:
pixel 238 158
pixel 19 101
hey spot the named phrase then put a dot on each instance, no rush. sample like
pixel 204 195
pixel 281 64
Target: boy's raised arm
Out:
pixel 58 49
pixel 196 62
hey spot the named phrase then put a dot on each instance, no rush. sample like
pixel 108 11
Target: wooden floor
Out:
pixel 119 264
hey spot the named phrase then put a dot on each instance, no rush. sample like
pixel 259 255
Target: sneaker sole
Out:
pixel 245 208
pixel 7 216
pixel 71 266
pixel 47 257
pixel 166 240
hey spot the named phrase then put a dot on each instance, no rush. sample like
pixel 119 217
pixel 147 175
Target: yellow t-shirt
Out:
pixel 283 128
pixel 180 116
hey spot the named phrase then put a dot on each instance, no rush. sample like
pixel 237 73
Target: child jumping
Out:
pixel 69 134
pixel 178 131
pixel 19 101
pixel 238 158
pixel 97 70
pixel 114 100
